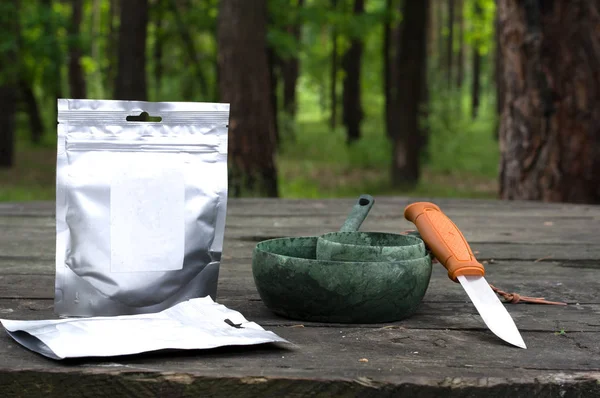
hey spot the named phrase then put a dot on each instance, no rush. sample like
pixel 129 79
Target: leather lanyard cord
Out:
pixel 514 298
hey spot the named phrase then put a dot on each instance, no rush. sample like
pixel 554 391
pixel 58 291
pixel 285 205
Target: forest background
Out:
pixel 383 97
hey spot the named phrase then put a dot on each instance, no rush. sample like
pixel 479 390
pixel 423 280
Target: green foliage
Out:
pixel 480 15
pixel 44 38
pixel 462 162
pixel 284 14
pixel 9 45
pixel 457 143
pixel 461 157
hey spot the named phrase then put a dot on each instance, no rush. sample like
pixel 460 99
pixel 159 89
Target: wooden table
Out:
pixel 546 250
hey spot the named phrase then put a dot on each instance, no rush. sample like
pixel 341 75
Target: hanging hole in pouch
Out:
pixel 230 323
pixel 143 117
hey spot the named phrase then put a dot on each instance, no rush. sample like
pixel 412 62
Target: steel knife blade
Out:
pixel 450 247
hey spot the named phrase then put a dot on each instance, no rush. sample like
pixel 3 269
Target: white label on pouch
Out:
pixel 147 201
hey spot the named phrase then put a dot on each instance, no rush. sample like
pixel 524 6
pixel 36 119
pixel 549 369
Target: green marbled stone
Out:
pixel 294 284
pixel 369 246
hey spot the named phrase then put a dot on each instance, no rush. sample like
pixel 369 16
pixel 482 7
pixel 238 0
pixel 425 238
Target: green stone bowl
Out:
pixel 293 283
pixel 369 246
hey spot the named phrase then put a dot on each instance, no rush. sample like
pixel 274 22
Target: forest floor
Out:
pixel 318 163
pixel 461 160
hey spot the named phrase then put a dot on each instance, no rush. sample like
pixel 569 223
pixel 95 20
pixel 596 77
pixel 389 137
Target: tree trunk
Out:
pixel 440 14
pixel 76 78
pixel 274 63
pixel 476 83
pixel 550 128
pixel 411 75
pixel 460 57
pixel 450 43
pixel 7 124
pixel 131 73
pixel 476 86
pixel 36 125
pixel 50 28
pixel 432 34
pixel 290 69
pixel 52 75
pixel 27 97
pixel 334 70
pixel 498 76
pixel 424 100
pixel 9 70
pixel 244 83
pixel 351 62
pixel 290 72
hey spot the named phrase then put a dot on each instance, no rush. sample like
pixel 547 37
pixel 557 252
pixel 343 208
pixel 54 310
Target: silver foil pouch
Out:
pixel 141 200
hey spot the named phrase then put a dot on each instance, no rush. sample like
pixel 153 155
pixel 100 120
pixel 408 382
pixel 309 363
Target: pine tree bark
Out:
pixel 76 78
pixel 244 83
pixel 9 29
pixel 411 79
pixel 131 73
pixel 550 127
pixel 351 64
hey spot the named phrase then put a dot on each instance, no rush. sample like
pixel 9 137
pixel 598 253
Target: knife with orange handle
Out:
pixel 451 249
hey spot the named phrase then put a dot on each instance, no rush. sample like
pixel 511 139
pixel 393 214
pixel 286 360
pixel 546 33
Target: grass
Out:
pixel 462 156
pixel 461 161
pixel 32 177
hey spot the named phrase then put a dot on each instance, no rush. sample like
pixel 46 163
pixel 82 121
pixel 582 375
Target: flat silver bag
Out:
pixel 140 205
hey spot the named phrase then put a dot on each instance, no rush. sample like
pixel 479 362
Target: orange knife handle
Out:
pixel 444 239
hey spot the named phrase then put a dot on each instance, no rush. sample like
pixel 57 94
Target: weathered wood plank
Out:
pixel 39 240
pixel 101 382
pixel 143 383
pixel 43 250
pixel 521 232
pixel 396 357
pixel 551 228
